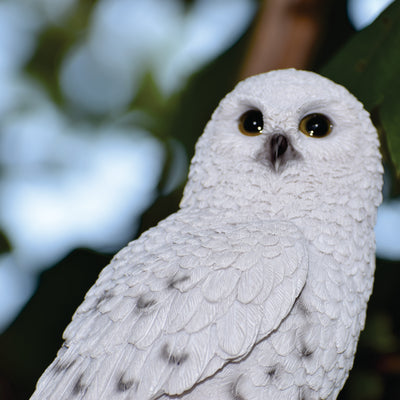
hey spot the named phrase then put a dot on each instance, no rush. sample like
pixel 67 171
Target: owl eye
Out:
pixel 316 125
pixel 251 123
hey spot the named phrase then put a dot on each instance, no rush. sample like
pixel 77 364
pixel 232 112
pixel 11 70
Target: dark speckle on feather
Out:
pixel 79 387
pixel 105 296
pixel 174 281
pixel 124 385
pixel 306 352
pixel 271 372
pixel 302 307
pixel 236 395
pixel 304 393
pixel 173 358
pixel 59 367
pixel 143 303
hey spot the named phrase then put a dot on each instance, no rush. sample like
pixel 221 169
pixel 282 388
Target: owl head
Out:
pixel 286 129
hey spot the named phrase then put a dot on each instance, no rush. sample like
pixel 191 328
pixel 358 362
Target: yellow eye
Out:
pixel 251 123
pixel 316 125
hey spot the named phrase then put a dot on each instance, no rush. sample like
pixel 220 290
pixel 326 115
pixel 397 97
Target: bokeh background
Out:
pixel 101 103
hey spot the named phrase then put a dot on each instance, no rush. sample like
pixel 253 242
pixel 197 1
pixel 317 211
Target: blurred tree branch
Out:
pixel 287 34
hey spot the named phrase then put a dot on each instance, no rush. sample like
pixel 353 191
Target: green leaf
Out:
pixel 389 111
pixel 368 65
pixel 5 245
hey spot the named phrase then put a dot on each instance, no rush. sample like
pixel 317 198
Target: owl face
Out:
pixel 292 119
pixel 281 133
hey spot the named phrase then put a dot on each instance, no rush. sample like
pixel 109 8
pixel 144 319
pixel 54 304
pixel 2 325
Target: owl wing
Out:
pixel 175 306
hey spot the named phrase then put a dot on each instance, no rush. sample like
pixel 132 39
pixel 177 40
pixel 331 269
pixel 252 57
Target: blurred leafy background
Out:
pixel 101 103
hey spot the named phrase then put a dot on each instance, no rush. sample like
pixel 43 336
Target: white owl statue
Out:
pixel 257 287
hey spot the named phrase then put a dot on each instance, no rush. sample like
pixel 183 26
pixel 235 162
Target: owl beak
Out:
pixel 279 151
pixel 277 146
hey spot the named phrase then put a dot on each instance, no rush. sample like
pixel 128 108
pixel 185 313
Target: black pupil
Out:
pixel 317 125
pixel 253 121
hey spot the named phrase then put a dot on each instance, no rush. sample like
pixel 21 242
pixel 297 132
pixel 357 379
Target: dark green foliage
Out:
pixel 54 42
pixel 368 65
pixel 376 371
pixel 32 341
pixel 5 245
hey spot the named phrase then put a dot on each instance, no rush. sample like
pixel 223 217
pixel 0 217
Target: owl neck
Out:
pixel 310 199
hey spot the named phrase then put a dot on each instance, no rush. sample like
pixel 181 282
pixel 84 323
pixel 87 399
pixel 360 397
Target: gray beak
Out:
pixel 278 151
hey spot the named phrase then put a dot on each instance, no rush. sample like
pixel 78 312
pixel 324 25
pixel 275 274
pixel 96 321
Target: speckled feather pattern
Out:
pixel 257 287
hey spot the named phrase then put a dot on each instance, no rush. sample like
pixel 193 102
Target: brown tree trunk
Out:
pixel 287 34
